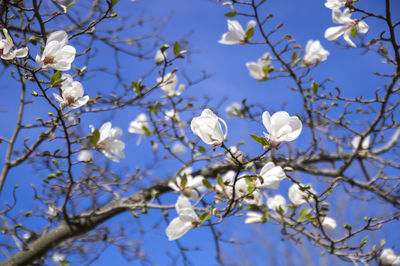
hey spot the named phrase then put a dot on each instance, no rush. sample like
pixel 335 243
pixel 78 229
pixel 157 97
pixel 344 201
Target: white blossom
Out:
pixel 57 54
pixel 276 203
pixel 109 144
pixel 355 142
pixel 338 17
pixel 241 189
pixel 233 109
pixel 159 57
pixel 71 93
pixel 139 126
pixel 172 115
pixel 186 220
pixel 7 44
pixel 169 84
pixel 236 34
pixel 297 196
pixel 315 52
pixel 253 217
pixel 260 69
pixel 58 257
pixel 178 148
pixel 335 4
pixel 193 186
pixel 85 156
pixel 208 128
pixel 272 176
pixel 281 127
pixel 51 211
pixel 389 258
pixel 329 223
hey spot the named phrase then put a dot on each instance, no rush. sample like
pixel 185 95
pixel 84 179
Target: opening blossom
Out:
pixel 139 126
pixel 355 142
pixel 236 34
pixel 159 57
pixel 169 85
pixel 233 109
pixel 315 52
pixel 272 176
pixel 109 144
pixel 388 257
pixel 350 27
pixel 281 127
pixel 6 45
pixel 193 186
pixel 186 220
pixel 208 128
pixel 329 223
pixel 335 4
pixel 57 54
pixel 297 196
pixel 253 217
pixel 72 93
pixel 260 69
pixel 85 156
pixel 276 203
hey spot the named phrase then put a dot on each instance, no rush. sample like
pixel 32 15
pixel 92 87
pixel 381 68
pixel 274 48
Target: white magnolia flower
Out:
pixel 253 217
pixel 109 144
pixel 233 109
pixel 297 196
pixel 193 186
pixel 355 142
pixel 338 17
pixel 139 126
pixel 6 45
pixel 335 4
pixel 276 203
pixel 281 127
pixel 315 52
pixel 260 69
pixel 178 148
pixel 51 211
pixel 272 176
pixel 329 223
pixel 85 156
pixel 388 257
pixel 236 34
pixel 71 93
pixel 58 257
pixel 208 128
pixel 187 219
pixel 172 115
pixel 57 54
pixel 241 189
pixel 169 83
pixel 159 57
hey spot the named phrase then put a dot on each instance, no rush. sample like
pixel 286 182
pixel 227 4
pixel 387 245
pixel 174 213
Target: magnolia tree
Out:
pixel 74 184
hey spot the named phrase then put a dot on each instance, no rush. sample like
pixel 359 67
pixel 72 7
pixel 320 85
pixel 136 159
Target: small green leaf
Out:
pixel 364 241
pixel 303 214
pixel 146 130
pixel 382 243
pixel 314 87
pixel 250 184
pixel 34 40
pixel 95 137
pixel 249 34
pixel 55 78
pixel 230 14
pixel 70 5
pixel 204 217
pixel 55 163
pixel 177 48
pixel 353 32
pixel 294 57
pixel 220 182
pixel 260 140
pixel 207 183
pixel 41 49
pixel 348 227
pixel 136 86
pixel 114 2
pixel 202 149
pixel 183 181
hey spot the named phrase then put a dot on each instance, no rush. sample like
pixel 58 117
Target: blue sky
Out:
pixel 304 20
